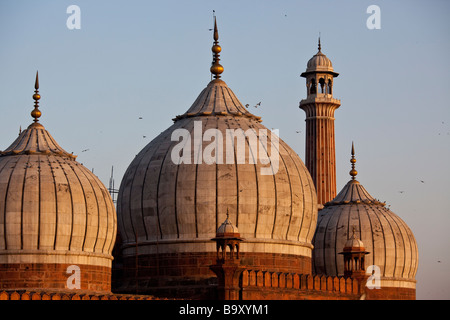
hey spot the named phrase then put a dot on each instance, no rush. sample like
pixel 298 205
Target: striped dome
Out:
pixel 389 241
pixel 166 205
pixel 319 62
pixel 227 228
pixel 57 219
pixel 52 208
pixel 354 242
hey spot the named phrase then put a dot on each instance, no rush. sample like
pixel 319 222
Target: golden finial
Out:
pixel 216 67
pixel 36 96
pixel 353 172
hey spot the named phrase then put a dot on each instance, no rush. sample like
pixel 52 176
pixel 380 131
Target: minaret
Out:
pixel 227 268
pixel 354 256
pixel 319 107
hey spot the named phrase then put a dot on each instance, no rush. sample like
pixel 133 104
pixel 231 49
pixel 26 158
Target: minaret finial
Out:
pixel 320 47
pixel 36 96
pixel 353 172
pixel 216 68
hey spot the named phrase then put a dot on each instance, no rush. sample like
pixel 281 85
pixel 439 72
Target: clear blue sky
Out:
pixel 151 59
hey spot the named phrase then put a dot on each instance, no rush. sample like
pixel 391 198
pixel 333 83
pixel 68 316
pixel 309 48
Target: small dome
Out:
pixel 354 243
pixel 227 229
pixel 319 62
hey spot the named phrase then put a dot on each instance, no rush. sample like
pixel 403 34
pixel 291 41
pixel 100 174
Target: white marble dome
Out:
pixel 227 228
pixel 389 241
pixel 52 208
pixel 170 207
pixel 320 63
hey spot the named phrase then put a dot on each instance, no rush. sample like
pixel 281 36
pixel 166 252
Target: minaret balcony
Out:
pixel 320 97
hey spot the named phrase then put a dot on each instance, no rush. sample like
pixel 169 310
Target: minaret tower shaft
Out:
pixel 319 107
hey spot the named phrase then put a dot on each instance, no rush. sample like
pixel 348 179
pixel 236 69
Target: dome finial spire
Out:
pixel 36 113
pixel 353 172
pixel 320 47
pixel 216 68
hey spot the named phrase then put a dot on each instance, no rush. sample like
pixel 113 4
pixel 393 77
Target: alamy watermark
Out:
pixel 74 280
pixel 252 146
pixel 74 20
pixel 374 280
pixel 374 20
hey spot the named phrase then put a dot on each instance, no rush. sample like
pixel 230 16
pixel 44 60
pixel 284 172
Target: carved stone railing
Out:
pixel 300 285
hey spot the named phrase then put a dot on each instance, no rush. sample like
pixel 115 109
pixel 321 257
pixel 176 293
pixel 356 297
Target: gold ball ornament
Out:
pixel 216 69
pixel 36 113
pixel 216 48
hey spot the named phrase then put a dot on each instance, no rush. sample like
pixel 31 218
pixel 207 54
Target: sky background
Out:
pixel 151 59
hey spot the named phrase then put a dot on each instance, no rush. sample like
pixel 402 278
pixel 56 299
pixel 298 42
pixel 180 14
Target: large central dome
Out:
pixel 216 158
pixel 170 203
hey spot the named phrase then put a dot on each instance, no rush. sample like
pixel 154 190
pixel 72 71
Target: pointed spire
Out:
pixel 216 32
pixel 216 68
pixel 353 172
pixel 36 113
pixel 320 47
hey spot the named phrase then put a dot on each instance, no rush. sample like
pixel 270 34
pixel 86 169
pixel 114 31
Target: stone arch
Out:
pixel 313 86
pixel 322 85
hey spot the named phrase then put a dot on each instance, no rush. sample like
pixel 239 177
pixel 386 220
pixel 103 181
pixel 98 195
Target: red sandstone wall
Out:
pixel 49 295
pixel 189 275
pixel 259 285
pixel 285 278
pixel 391 294
pixel 53 276
pixel 265 285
